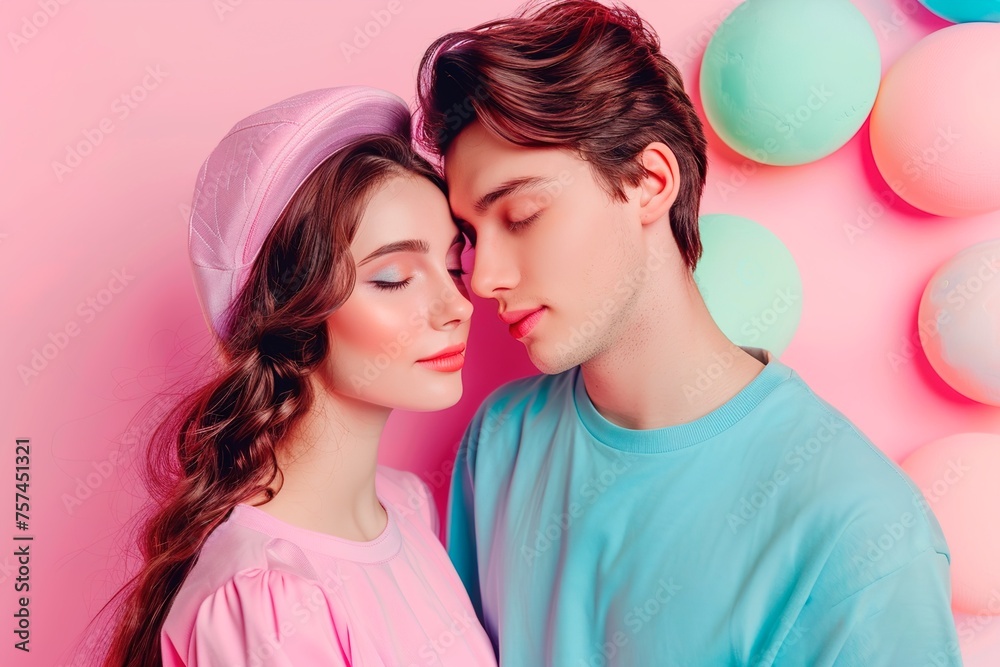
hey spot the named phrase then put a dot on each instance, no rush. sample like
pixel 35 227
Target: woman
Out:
pixel 328 266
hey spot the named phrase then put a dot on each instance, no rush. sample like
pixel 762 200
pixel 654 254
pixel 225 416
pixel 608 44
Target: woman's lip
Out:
pixel 523 326
pixel 446 352
pixel 446 364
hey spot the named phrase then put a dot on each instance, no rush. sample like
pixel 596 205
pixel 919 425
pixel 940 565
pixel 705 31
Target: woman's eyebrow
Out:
pixel 409 245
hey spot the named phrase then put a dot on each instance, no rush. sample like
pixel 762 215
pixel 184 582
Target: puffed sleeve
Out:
pixel 269 618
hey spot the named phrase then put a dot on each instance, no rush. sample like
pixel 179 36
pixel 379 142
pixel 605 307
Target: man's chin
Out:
pixel 547 360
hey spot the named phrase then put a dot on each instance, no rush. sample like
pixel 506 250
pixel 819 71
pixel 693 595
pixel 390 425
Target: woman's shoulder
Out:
pixel 407 493
pixel 253 610
pixel 394 479
pixel 242 558
pixel 253 589
pixel 243 578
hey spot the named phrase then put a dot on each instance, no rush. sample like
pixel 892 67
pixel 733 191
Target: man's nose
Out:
pixel 494 266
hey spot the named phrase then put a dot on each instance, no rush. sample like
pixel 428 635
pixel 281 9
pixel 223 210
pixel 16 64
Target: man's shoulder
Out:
pixel 501 416
pixel 527 393
pixel 853 487
pixel 840 443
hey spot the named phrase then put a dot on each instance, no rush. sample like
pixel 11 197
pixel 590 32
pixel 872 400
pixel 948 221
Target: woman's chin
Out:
pixel 429 397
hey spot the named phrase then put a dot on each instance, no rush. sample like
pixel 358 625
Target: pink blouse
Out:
pixel 266 593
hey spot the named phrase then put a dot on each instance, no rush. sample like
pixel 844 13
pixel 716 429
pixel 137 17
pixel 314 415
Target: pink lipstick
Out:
pixel 525 321
pixel 448 360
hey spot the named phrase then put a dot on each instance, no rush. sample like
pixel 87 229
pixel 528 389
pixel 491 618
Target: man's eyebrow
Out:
pixel 409 245
pixel 506 189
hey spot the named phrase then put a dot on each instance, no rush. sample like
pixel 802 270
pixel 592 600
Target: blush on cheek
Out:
pixel 364 328
pixel 370 326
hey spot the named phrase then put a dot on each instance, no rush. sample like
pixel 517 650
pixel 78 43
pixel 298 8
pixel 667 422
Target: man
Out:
pixel 658 495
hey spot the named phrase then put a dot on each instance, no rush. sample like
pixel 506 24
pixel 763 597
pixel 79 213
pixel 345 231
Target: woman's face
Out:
pixel 409 304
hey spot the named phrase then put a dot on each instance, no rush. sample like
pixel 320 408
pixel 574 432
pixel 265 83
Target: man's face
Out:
pixel 553 248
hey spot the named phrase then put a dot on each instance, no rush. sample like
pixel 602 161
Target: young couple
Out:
pixel 602 512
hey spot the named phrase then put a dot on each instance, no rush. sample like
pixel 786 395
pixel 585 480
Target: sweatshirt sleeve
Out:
pixel 461 520
pixel 268 617
pixel 901 618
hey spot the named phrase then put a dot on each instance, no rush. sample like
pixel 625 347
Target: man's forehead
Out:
pixel 472 146
pixel 472 165
pixel 477 163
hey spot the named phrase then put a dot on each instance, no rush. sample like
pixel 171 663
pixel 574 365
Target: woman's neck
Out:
pixel 328 463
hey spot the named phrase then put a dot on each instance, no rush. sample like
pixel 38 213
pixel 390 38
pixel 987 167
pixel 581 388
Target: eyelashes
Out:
pixel 389 285
pixel 390 277
pixel 521 224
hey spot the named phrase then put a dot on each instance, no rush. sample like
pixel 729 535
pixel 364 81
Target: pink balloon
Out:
pixel 933 129
pixel 959 322
pixel 960 478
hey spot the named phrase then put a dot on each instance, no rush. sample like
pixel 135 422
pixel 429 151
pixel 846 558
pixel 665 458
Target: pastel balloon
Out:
pixel 750 282
pixel 964 11
pixel 958 476
pixel 786 82
pixel 934 133
pixel 959 322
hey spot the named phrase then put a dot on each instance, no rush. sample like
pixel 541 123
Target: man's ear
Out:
pixel 658 189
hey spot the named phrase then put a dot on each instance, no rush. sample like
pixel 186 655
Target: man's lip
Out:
pixel 446 352
pixel 512 316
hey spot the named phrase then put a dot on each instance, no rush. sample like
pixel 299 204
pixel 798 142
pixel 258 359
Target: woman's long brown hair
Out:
pixel 217 447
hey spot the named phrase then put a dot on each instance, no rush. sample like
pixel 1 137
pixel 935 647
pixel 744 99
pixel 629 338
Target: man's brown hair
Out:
pixel 574 74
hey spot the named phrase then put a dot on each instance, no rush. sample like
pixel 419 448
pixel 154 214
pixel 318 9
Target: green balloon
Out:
pixel 749 281
pixel 786 82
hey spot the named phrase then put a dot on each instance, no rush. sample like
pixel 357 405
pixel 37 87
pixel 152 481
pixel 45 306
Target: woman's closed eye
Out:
pixel 389 279
pixel 389 285
pixel 454 259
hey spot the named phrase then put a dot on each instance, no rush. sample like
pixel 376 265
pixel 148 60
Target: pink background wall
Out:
pixel 122 209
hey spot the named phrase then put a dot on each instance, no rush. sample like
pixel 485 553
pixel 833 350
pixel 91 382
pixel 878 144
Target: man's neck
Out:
pixel 670 366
